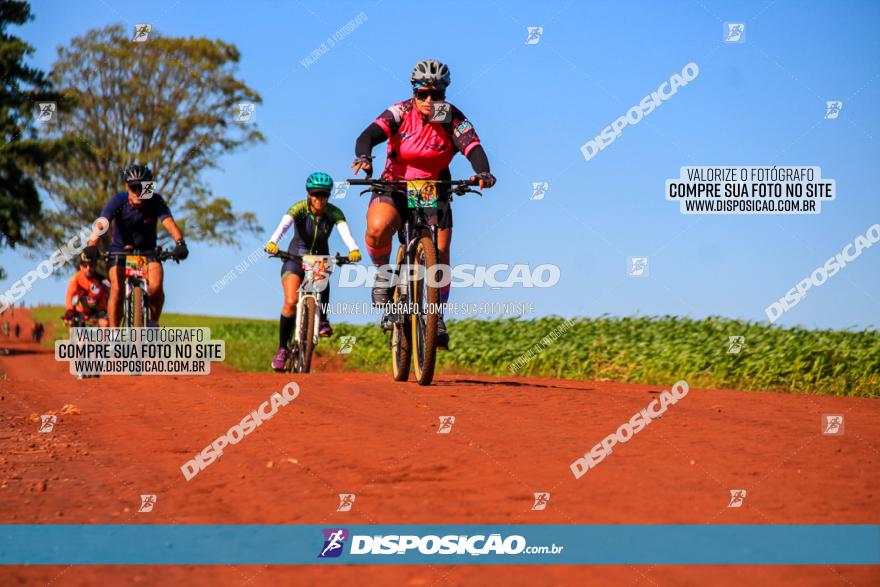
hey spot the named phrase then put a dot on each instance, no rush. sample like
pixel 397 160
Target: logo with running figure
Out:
pixel 346 344
pixel 46 112
pixel 539 190
pixel 737 497
pixel 446 423
pixel 637 266
pixel 147 189
pixel 734 32
pixel 148 502
pixel 47 423
pixel 533 35
pixel 832 424
pixel 541 501
pixel 247 112
pixel 832 109
pixel 735 344
pixel 340 189
pixel 334 540
pixel 141 33
pixel 346 501
pixel 440 112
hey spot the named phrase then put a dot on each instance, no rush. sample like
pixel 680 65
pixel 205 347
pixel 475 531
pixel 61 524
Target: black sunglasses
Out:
pixel 425 94
pixel 319 194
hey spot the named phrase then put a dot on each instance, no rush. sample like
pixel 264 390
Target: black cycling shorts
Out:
pixel 442 213
pixel 113 261
pixel 294 267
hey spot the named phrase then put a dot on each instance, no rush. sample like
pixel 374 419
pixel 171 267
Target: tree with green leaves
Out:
pixel 21 89
pixel 170 103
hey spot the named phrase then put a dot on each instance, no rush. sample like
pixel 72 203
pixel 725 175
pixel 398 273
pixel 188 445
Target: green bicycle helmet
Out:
pixel 319 181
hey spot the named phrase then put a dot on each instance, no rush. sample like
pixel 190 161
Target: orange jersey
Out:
pixel 86 295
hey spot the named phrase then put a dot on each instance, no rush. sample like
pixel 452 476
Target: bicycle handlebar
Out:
pixel 285 256
pixel 157 254
pixel 452 182
pixel 459 186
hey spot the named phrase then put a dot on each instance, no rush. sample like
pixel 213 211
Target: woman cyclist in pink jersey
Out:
pixel 417 149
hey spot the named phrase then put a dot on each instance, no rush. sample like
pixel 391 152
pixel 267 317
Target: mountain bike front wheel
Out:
pixel 305 337
pixel 425 299
pixel 134 310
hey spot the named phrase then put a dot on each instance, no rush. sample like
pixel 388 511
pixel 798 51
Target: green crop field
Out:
pixel 656 350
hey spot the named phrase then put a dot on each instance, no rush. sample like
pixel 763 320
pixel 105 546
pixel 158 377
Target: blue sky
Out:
pixel 761 102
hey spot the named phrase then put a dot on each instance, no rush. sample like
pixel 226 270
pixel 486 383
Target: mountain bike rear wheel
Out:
pixel 401 334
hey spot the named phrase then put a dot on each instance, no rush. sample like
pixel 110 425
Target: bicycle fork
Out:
pixel 300 311
pixel 403 272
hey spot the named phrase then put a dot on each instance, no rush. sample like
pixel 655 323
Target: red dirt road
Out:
pixel 363 434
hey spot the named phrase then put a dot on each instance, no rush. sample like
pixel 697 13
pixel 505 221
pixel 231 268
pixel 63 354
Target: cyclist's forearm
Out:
pixel 71 290
pixel 173 229
pixel 96 233
pixel 479 160
pixel 286 223
pixel 345 233
pixel 372 136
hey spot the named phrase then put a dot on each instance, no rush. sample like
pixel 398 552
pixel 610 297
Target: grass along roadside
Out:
pixel 652 350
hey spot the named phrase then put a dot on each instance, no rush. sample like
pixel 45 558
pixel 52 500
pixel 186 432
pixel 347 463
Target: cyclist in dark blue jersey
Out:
pixel 133 216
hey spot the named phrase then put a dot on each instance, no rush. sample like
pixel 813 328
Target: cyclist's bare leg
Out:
pixel 117 293
pixel 444 245
pixel 290 282
pixel 155 274
pixel 382 222
pixel 444 242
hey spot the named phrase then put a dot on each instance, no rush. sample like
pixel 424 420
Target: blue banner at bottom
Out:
pixel 245 544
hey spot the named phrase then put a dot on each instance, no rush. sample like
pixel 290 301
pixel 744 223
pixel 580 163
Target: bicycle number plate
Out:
pixel 421 194
pixel 318 265
pixel 135 265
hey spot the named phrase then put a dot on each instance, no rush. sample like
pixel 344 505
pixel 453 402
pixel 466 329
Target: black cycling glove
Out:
pixel 180 251
pixel 487 178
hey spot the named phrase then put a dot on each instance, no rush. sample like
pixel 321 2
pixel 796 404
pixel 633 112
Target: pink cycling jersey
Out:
pixel 418 149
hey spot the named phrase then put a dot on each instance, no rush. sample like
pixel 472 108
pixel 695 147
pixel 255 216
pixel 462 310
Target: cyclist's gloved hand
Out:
pixel 91 251
pixel 354 256
pixel 68 315
pixel 485 178
pixel 271 248
pixel 180 251
pixel 364 162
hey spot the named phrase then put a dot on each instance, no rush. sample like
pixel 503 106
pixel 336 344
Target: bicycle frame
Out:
pixel 317 269
pixel 136 275
pixel 410 231
pixel 417 220
pixel 414 321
